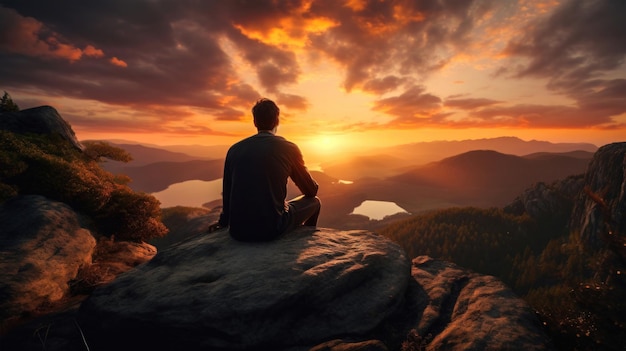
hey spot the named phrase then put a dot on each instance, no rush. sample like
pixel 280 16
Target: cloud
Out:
pixel 215 58
pixel 27 36
pixel 380 86
pixel 575 48
pixel 291 101
pixel 579 39
pixel 117 62
pixel 377 39
pixel 411 107
pixel 470 103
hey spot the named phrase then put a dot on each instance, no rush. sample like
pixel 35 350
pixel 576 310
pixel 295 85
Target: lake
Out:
pixel 378 209
pixel 194 193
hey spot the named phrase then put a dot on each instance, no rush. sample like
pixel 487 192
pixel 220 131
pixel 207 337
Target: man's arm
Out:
pixel 301 176
pixel 226 188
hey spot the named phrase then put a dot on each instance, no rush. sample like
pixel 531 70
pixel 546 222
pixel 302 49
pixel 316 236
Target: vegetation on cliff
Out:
pixel 540 258
pixel 48 165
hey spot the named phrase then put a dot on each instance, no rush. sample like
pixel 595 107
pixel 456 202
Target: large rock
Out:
pixel 47 257
pixel 39 120
pixel 600 212
pixel 555 200
pixel 42 247
pixel 213 293
pixel 457 309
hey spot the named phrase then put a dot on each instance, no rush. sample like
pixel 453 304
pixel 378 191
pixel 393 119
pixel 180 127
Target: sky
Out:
pixel 346 74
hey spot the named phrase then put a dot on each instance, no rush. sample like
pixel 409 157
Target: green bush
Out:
pixel 49 165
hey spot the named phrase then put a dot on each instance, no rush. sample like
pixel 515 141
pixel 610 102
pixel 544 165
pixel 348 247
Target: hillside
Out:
pixel 560 245
pixel 490 176
pixel 424 152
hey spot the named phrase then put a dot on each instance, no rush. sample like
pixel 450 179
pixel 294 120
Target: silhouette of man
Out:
pixel 255 183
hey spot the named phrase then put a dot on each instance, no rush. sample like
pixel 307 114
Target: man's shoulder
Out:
pixel 258 140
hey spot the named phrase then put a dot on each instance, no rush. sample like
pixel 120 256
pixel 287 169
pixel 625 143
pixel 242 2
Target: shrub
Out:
pixel 49 165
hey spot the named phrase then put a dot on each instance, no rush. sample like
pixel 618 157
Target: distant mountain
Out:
pixel 491 177
pixel 585 155
pixel 158 176
pixel 394 160
pixel 370 166
pixel 143 155
pixel 424 152
pixel 200 151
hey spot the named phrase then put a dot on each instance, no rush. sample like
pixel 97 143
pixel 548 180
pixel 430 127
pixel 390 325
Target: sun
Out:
pixel 325 146
pixel 326 143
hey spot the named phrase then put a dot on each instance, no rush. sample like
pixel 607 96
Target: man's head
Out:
pixel 265 113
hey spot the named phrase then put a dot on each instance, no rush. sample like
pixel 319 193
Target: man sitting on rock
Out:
pixel 255 183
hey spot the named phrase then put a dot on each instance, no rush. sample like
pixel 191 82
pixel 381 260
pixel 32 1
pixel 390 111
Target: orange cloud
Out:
pixel 25 35
pixel 92 51
pixel 117 62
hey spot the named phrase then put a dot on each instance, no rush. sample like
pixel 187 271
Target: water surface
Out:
pixel 378 209
pixel 191 193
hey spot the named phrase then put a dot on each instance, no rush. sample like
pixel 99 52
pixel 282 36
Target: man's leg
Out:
pixel 303 210
pixel 306 210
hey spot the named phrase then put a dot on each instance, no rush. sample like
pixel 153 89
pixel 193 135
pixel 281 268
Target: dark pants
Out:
pixel 303 210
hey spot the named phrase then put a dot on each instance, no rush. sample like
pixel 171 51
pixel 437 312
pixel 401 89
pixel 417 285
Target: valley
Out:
pixel 403 176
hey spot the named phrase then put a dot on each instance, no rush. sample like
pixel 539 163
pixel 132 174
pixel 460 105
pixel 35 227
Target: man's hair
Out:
pixel 265 113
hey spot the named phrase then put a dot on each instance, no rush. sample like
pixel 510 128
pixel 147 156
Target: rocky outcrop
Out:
pixel 42 247
pixel 321 289
pixel 318 289
pixel 600 211
pixel 38 120
pixel 46 254
pixel 216 293
pixel 552 200
pixel 461 310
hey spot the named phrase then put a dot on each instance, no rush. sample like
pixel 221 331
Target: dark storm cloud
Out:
pixel 167 55
pixel 410 37
pixel 274 66
pixel 138 53
pixel 573 47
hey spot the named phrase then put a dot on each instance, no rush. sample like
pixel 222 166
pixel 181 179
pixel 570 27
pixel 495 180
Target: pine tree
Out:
pixel 7 104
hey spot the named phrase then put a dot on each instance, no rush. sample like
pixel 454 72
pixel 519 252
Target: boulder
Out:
pixel 456 309
pixel 42 247
pixel 39 120
pixel 213 292
pixel 47 257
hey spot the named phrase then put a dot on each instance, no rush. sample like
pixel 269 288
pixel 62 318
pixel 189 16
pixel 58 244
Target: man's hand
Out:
pixel 213 227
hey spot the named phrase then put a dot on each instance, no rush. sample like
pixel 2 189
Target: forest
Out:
pixel 576 292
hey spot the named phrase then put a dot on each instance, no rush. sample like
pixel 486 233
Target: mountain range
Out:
pixel 473 177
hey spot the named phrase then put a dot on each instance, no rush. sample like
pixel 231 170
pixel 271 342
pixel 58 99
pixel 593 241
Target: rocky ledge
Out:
pixel 318 289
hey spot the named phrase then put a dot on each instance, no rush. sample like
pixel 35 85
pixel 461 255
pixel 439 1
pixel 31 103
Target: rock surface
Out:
pixel 45 251
pixel 600 211
pixel 216 293
pixel 461 310
pixel 39 120
pixel 548 200
pixel 42 247
pixel 312 290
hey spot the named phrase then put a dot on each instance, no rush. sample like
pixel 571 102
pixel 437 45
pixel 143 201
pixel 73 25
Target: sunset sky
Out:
pixel 346 73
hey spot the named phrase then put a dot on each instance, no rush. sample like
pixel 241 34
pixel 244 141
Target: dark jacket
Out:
pixel 255 185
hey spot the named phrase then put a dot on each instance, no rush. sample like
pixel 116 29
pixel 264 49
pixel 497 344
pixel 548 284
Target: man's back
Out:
pixel 255 185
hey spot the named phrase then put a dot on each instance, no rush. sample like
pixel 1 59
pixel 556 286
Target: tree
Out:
pixel 98 150
pixel 7 104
